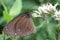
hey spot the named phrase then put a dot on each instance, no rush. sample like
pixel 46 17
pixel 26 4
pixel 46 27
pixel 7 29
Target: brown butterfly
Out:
pixel 20 26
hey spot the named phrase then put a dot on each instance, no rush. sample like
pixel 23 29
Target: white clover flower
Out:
pixel 37 14
pixel 50 7
pixel 45 8
pixel 57 15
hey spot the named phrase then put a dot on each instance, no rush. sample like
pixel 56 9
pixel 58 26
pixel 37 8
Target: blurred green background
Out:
pixel 11 8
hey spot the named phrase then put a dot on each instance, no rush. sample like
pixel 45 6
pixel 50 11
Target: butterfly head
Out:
pixel 28 14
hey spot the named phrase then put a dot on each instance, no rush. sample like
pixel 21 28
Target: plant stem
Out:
pixel 58 30
pixel 4 36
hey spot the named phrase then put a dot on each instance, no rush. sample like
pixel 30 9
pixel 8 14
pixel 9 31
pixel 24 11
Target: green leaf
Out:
pixel 38 37
pixel 29 5
pixel 16 8
pixel 1 37
pixel 41 35
pixel 51 33
pixel 7 17
pixel 8 3
pixel 14 11
pixel 1 20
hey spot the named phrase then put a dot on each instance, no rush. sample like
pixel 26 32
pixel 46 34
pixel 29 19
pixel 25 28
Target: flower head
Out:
pixel 45 8
pixel 50 7
pixel 57 15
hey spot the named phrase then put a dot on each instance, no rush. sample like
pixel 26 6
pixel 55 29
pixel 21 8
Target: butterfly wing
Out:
pixel 20 26
pixel 9 29
pixel 25 27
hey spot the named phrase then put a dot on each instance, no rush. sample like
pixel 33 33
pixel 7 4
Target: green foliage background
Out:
pixel 11 8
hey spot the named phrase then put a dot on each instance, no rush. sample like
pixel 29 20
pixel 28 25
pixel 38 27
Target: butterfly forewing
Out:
pixel 20 26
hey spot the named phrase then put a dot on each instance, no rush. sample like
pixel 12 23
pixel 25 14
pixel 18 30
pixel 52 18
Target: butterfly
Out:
pixel 20 26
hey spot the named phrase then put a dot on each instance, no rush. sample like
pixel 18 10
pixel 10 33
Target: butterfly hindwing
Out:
pixel 25 27
pixel 9 29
